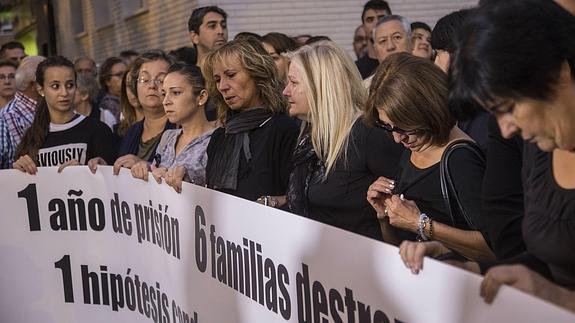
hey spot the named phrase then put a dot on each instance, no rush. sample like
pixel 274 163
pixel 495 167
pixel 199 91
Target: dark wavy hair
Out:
pixel 36 134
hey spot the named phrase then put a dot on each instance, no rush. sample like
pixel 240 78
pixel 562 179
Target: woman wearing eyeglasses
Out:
pixel 338 155
pixel 143 137
pixel 408 98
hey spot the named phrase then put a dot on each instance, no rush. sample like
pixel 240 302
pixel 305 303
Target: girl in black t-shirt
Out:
pixel 58 136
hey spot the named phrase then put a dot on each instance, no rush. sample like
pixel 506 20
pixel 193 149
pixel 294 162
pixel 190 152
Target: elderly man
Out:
pixel 18 114
pixel 391 35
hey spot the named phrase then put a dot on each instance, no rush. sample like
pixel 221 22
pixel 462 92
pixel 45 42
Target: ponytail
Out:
pixel 36 134
pixel 38 131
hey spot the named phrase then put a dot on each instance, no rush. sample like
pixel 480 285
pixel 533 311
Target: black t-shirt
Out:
pixel 341 200
pixel 549 222
pixel 423 186
pixel 81 139
pixel 268 170
pixel 503 192
pixel 366 66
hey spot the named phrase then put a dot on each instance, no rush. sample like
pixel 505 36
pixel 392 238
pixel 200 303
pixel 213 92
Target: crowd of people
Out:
pixel 456 142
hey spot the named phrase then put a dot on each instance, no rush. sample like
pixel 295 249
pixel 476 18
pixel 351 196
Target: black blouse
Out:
pixel 424 188
pixel 549 222
pixel 268 170
pixel 341 200
pixel 503 193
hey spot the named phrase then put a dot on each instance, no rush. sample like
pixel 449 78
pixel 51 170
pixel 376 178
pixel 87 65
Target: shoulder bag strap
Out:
pixel 448 190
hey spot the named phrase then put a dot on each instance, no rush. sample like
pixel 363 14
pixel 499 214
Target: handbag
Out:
pixel 448 189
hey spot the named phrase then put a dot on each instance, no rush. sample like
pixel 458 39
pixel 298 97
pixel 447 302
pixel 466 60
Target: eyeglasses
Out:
pixel 10 76
pixel 146 81
pixel 389 128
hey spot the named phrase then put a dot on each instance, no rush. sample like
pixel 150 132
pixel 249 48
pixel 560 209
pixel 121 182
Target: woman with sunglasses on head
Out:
pixel 58 136
pixel 142 138
pixel 182 152
pixel 338 155
pixel 249 156
pixel 408 98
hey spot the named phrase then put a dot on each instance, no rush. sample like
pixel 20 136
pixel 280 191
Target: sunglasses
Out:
pixel 389 128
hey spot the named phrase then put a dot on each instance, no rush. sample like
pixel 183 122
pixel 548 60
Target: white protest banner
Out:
pixel 82 247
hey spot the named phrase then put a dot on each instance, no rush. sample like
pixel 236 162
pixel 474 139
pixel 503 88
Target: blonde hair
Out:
pixel 260 67
pixel 335 97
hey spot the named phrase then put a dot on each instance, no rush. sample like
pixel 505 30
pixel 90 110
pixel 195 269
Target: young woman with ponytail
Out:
pixel 58 136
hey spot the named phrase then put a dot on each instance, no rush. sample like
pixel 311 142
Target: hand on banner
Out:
pixel 94 162
pixel 140 170
pixel 378 192
pixel 174 177
pixel 412 253
pixel 126 161
pixel 72 162
pixel 25 164
pixel 272 201
pixel 403 214
pixel 520 277
pixel 158 173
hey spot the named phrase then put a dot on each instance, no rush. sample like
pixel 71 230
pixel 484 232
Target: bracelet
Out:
pixel 430 229
pixel 423 221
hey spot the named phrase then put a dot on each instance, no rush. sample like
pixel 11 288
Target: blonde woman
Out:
pixel 249 156
pixel 338 155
